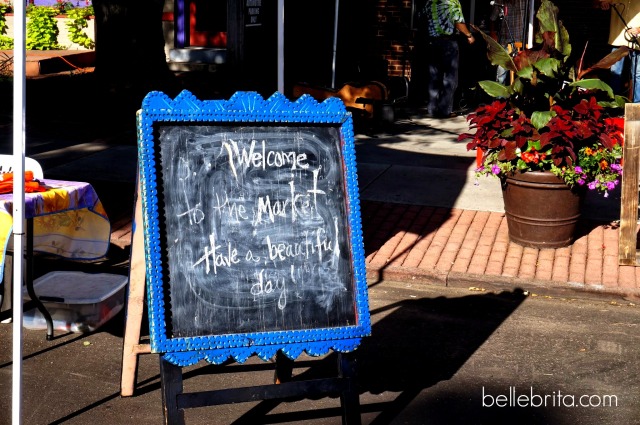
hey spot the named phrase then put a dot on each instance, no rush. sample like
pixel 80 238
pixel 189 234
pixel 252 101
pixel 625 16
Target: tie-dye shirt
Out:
pixel 441 16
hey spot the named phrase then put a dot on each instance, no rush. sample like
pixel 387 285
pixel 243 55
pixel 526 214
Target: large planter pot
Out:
pixel 541 210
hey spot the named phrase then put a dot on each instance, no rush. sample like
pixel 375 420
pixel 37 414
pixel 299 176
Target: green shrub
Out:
pixel 3 22
pixel 6 42
pixel 42 30
pixel 76 25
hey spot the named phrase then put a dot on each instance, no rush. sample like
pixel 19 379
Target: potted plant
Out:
pixel 549 136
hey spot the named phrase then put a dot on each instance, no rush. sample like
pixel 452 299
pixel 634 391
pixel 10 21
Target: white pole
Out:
pixel 280 25
pixel 335 45
pixel 530 24
pixel 19 83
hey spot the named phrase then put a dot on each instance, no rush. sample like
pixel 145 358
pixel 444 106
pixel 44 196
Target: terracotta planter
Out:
pixel 541 210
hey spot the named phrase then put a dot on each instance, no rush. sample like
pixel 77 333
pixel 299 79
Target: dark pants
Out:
pixel 443 57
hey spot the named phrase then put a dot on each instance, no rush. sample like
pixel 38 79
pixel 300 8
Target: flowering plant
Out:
pixel 548 120
pixel 578 145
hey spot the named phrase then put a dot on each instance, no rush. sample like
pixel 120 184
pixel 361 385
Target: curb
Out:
pixel 494 283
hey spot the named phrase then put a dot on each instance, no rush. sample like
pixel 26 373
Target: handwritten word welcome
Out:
pixel 262 158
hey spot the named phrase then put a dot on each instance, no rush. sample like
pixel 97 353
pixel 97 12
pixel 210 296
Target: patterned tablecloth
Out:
pixel 68 220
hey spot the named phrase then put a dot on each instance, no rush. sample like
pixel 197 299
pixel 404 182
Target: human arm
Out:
pixel 632 33
pixel 605 4
pixel 462 27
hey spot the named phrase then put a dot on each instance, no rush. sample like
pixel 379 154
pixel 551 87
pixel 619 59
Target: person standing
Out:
pixel 442 20
pixel 624 30
pixel 507 28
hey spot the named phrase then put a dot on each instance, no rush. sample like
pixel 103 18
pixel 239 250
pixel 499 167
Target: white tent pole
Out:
pixel 335 45
pixel 280 25
pixel 530 24
pixel 413 12
pixel 19 83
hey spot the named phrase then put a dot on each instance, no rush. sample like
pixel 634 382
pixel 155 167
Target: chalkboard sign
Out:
pixel 252 227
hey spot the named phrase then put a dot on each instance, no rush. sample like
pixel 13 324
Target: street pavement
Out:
pixel 437 356
pixel 448 346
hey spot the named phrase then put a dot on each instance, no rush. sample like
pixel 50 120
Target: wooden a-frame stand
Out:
pixel 135 305
pixel 174 401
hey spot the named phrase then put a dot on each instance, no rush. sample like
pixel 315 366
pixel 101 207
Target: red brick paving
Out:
pixel 456 247
pixel 459 247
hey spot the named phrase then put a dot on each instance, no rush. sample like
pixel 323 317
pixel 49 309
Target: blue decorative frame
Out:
pixel 245 107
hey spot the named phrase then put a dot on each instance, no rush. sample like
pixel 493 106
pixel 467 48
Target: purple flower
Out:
pixel 581 181
pixel 616 167
pixel 593 185
pixel 611 185
pixel 495 169
pixel 480 169
pixel 578 169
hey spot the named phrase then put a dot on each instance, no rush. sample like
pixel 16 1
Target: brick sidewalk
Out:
pixel 464 248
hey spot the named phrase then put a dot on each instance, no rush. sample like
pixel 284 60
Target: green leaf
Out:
pixel 517 86
pixel 548 66
pixel 594 84
pixel 521 165
pixel 608 61
pixel 526 73
pixel 495 89
pixel 620 101
pixel 547 16
pixel 496 54
pixel 550 25
pixel 562 41
pixel 534 144
pixel 540 118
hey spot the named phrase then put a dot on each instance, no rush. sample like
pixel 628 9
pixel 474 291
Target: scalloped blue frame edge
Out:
pixel 247 107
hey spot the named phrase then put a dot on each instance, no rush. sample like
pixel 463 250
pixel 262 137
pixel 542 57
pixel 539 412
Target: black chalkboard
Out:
pixel 252 229
pixel 253 218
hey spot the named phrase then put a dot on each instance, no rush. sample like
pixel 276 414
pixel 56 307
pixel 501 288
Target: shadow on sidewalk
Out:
pixel 421 342
pixel 415 344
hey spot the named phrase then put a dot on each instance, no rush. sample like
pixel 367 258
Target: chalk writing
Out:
pixel 254 219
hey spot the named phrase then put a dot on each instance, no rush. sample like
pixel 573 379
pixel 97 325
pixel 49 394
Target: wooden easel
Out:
pixel 183 341
pixel 174 401
pixel 627 249
pixel 135 305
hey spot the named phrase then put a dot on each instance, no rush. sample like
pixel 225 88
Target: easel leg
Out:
pixel 135 306
pixel 350 397
pixel 284 368
pixel 171 380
